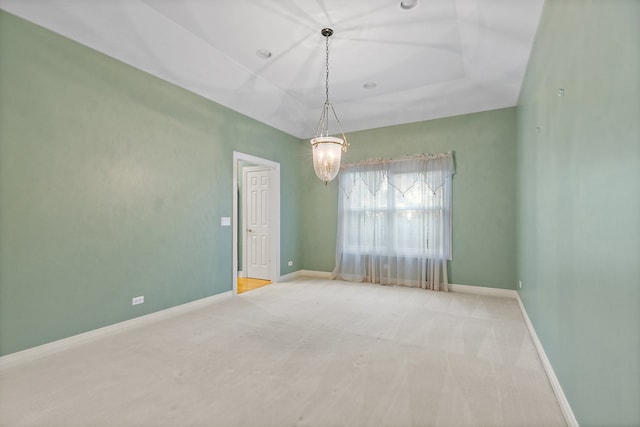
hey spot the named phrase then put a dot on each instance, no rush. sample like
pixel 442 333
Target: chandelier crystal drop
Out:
pixel 327 150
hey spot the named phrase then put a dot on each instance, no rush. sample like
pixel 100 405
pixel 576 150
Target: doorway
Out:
pixel 256 221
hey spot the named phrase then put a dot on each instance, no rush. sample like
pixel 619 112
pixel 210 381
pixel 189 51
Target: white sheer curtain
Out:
pixel 394 222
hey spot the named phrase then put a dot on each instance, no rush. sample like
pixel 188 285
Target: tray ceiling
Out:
pixel 441 58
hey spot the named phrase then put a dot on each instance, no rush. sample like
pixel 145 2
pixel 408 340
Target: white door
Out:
pixel 257 182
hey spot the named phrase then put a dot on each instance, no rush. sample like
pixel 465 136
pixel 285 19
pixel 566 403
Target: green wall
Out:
pixel 484 199
pixel 579 203
pixel 112 185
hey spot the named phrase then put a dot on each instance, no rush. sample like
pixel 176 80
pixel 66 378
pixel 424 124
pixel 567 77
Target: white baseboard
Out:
pixel 479 290
pixel 290 276
pixel 314 273
pixel 555 384
pixel 13 359
pixel 546 364
pixel 305 273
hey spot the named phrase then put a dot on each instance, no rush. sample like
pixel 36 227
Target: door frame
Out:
pixel 274 230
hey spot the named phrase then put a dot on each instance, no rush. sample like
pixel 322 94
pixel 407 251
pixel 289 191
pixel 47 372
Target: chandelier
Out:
pixel 327 149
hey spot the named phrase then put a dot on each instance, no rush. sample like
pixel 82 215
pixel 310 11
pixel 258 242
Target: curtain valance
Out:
pixel 432 169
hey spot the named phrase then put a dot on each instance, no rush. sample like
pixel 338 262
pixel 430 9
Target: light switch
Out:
pixel 225 221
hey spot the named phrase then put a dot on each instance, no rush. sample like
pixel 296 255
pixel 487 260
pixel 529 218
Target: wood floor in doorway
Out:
pixel 246 284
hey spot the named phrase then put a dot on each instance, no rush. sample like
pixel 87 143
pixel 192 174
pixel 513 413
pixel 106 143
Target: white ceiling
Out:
pixel 439 59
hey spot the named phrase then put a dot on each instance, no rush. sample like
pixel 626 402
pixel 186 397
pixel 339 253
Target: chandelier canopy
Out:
pixel 327 150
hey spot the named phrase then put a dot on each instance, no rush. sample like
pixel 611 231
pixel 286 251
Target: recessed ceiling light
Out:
pixel 263 53
pixel 369 85
pixel 408 4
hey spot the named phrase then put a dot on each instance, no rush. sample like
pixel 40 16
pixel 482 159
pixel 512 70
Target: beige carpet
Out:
pixel 306 353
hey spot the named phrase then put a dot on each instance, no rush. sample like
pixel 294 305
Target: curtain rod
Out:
pixel 382 160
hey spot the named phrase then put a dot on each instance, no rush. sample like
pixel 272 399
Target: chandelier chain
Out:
pixel 327 66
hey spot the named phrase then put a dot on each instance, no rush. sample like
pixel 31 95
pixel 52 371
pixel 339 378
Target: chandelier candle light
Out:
pixel 327 149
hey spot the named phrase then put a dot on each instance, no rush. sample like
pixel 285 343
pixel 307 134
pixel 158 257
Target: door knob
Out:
pixel 249 230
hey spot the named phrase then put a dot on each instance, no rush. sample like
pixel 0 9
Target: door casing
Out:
pixel 275 203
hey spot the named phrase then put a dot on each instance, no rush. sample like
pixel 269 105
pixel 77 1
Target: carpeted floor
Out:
pixel 307 353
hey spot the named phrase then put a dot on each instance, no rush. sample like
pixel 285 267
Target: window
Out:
pixel 393 218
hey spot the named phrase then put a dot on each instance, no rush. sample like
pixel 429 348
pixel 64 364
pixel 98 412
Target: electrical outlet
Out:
pixel 290 263
pixel 520 284
pixel 137 300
